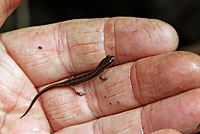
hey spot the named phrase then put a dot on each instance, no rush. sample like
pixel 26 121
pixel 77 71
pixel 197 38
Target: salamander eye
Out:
pixel 107 56
pixel 112 59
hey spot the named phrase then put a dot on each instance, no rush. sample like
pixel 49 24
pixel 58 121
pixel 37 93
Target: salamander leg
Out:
pixel 77 92
pixel 70 78
pixel 101 77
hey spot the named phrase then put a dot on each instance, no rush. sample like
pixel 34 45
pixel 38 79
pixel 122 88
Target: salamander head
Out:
pixel 106 62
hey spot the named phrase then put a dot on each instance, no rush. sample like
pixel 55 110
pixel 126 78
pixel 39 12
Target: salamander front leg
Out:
pixel 101 77
pixel 77 92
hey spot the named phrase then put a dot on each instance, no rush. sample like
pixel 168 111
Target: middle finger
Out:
pixel 128 86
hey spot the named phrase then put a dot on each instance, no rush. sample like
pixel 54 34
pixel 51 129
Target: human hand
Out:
pixel 149 88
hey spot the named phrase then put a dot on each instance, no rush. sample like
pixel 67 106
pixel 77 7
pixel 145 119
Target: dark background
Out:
pixel 183 15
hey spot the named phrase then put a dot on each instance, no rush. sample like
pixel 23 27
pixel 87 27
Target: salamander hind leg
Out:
pixel 77 92
pixel 102 78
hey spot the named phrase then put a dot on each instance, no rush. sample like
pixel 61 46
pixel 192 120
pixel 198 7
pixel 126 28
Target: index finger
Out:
pixel 52 52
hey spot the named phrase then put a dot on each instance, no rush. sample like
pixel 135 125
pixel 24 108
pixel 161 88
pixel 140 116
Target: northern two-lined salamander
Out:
pixel 77 79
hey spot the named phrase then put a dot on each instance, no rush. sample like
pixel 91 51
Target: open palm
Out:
pixel 149 89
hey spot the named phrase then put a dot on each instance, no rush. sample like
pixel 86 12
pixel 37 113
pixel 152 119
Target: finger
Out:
pixel 166 131
pixel 128 86
pixel 13 95
pixel 165 75
pixel 6 8
pixel 50 53
pixel 180 113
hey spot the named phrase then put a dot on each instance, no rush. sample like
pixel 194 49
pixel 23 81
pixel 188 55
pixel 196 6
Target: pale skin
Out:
pixel 150 89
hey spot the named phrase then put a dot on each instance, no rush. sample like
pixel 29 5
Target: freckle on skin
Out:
pixel 110 103
pixel 134 31
pixel 39 47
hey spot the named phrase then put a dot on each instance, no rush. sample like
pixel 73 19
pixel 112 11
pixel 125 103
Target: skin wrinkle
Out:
pixel 36 59
pixel 4 84
pixel 117 55
pixel 3 122
pixel 143 120
pixel 136 20
pixel 72 108
pixel 157 24
pixel 114 36
pixel 148 33
pixel 148 26
pixel 156 96
pixel 114 84
pixel 122 130
pixel 34 63
pixel 49 79
pixel 5 109
pixel 89 85
pixel 134 31
pixel 92 52
pixel 111 44
pixel 57 107
pixel 59 46
pixel 153 26
pixel 71 117
pixel 99 112
pixel 20 93
pixel 7 79
pixel 153 85
pixel 70 63
pixel 83 44
pixel 104 37
pixel 137 96
pixel 129 77
pixel 5 69
pixel 149 109
pixel 18 96
pixel 124 56
pixel 78 112
pixel 89 32
pixel 94 128
pixel 60 115
pixel 57 96
pixel 150 118
pixel 117 93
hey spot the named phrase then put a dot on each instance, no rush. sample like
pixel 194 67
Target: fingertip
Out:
pixel 136 38
pixel 170 33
